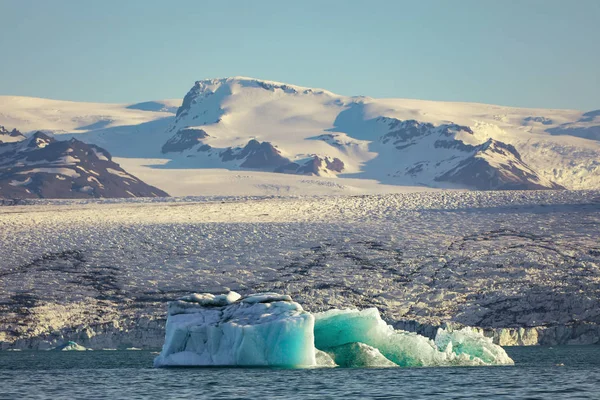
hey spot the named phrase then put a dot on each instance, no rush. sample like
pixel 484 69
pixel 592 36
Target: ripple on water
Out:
pixel 538 373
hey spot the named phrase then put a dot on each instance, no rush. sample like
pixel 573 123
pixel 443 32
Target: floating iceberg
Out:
pixel 335 328
pixel 259 330
pixel 358 355
pixel 70 346
pixel 269 329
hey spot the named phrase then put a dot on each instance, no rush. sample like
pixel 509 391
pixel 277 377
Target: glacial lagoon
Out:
pixel 565 372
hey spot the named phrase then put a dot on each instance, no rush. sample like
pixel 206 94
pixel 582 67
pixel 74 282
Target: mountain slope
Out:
pixel 374 139
pixel 47 168
pixel 262 126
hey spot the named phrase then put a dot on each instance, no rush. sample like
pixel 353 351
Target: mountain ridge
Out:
pixel 42 167
pixel 552 149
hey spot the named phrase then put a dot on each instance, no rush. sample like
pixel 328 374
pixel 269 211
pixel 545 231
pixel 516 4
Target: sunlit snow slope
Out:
pixel 242 130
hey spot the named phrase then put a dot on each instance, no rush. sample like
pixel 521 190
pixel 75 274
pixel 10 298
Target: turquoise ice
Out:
pixel 406 349
pixel 269 329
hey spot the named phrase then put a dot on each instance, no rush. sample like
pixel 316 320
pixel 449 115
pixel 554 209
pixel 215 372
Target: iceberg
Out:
pixel 265 329
pixel 70 346
pixel 406 349
pixel 358 355
pixel 270 329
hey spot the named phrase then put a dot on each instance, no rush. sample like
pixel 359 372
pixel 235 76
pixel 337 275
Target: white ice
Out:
pixel 70 346
pixel 259 330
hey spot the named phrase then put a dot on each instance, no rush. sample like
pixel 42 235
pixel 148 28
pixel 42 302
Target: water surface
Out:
pixel 571 372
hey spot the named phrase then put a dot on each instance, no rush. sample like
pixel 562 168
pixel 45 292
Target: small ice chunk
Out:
pixel 265 298
pixel 324 360
pixel 70 346
pixel 359 355
pixel 190 303
pixel 209 299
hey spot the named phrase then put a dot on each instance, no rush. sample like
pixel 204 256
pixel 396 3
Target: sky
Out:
pixel 527 53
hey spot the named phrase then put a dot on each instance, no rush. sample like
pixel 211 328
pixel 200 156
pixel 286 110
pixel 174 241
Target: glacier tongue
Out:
pixel 269 329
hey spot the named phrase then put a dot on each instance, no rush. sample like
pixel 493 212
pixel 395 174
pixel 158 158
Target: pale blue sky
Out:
pixel 533 53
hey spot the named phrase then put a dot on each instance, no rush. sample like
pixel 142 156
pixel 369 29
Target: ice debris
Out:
pixel 269 329
pixel 70 346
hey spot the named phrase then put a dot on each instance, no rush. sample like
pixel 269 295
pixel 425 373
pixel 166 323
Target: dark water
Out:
pixel 540 373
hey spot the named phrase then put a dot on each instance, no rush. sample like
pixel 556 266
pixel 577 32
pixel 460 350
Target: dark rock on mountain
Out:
pixel 540 120
pixel 184 139
pixel 43 167
pixel 10 136
pixel 496 166
pixel 262 155
pixel 492 165
pixel 187 100
pixel 313 166
pixel 405 133
pixel 256 155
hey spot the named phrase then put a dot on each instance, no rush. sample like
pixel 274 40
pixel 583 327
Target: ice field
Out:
pixel 525 265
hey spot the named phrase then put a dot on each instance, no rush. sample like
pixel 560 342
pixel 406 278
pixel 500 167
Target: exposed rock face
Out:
pixel 496 166
pixel 539 120
pixel 42 167
pixel 492 165
pixel 10 136
pixel 184 139
pixel 318 166
pixel 405 133
pixel 256 155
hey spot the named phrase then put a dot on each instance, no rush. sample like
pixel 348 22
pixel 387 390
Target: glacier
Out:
pixel 270 329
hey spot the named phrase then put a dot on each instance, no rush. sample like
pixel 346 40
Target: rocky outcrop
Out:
pixel 184 139
pixel 256 155
pixel 7 136
pixel 261 155
pixel 317 166
pixel 494 166
pixel 445 154
pixel 43 167
pixel 403 134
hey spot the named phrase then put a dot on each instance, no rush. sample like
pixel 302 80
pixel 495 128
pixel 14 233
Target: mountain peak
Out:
pixel 245 81
pixel 44 167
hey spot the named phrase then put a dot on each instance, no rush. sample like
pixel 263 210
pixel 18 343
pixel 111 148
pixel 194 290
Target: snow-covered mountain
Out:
pixel 268 127
pixel 41 166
